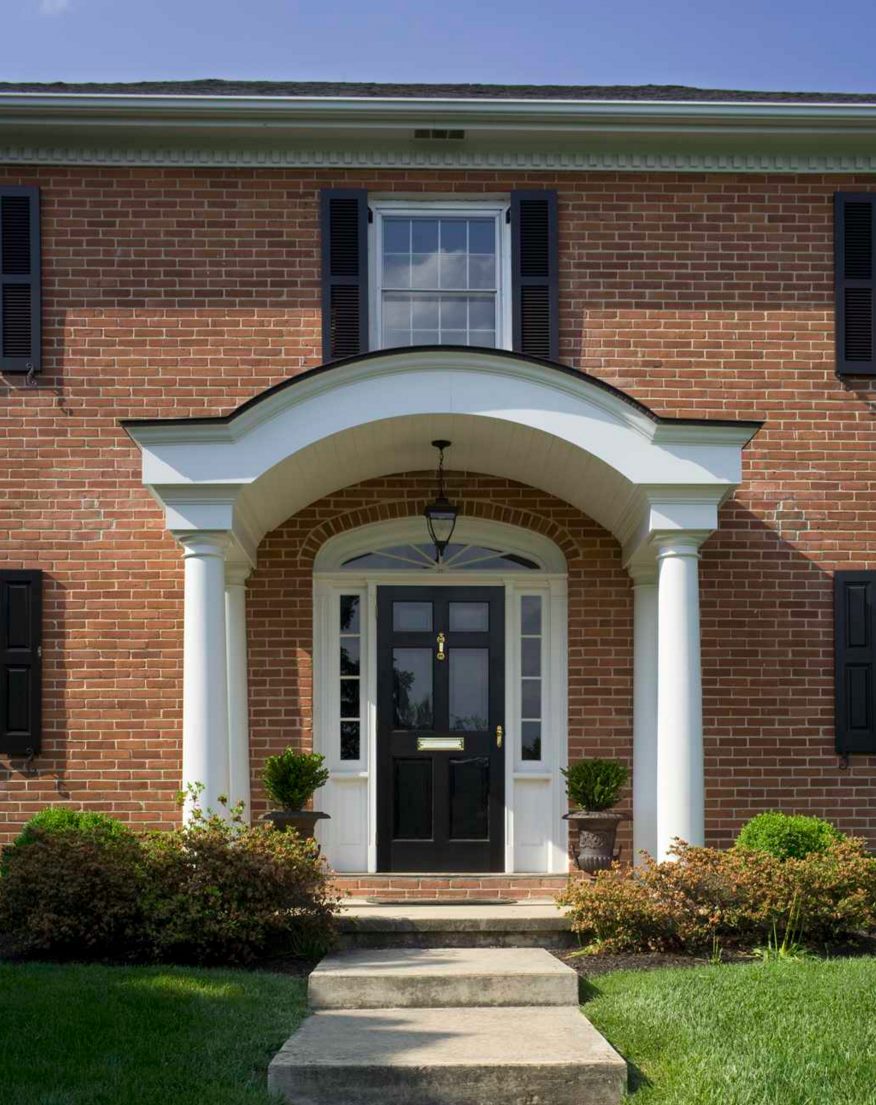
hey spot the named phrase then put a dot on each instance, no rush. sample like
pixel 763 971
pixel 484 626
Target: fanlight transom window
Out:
pixel 457 558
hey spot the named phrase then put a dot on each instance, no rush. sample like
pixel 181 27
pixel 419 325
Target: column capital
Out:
pixel 204 543
pixel 643 575
pixel 684 544
pixel 236 574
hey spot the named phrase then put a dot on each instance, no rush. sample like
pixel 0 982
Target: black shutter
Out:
pixel 854 250
pixel 344 218
pixel 534 273
pixel 20 662
pixel 19 279
pixel 855 630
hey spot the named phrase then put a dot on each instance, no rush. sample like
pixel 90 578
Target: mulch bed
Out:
pixel 592 966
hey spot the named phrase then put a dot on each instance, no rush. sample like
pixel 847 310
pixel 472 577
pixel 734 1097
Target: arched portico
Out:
pixel 655 483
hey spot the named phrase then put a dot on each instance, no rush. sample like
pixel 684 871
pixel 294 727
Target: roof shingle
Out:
pixel 589 92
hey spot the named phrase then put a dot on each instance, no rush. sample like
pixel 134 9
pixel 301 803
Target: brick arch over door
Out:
pixel 280 607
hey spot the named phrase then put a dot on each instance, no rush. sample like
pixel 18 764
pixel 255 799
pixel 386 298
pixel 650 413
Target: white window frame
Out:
pixel 535 832
pixel 496 209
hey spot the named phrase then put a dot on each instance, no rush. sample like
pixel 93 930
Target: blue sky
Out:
pixel 770 44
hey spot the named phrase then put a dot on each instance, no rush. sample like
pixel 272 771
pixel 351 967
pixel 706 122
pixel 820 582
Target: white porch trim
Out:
pixel 655 483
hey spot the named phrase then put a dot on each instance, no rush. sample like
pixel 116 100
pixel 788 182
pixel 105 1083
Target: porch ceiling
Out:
pixel 507 416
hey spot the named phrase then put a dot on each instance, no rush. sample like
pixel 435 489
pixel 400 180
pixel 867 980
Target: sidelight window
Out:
pixel 351 676
pixel 531 668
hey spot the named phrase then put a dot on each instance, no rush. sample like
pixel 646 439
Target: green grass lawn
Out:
pixel 90 1035
pixel 789 1033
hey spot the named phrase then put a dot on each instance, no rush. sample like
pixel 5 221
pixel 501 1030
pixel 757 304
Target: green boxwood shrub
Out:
pixel 62 819
pixel 595 784
pixel 291 777
pixel 787 836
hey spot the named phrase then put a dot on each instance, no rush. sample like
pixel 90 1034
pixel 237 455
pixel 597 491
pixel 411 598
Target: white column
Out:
pixel 644 711
pixel 238 694
pixel 680 785
pixel 205 693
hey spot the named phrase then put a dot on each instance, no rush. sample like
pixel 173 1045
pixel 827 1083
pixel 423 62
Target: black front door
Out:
pixel 440 718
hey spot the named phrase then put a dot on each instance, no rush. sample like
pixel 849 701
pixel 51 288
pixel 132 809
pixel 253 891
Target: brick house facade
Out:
pixel 174 291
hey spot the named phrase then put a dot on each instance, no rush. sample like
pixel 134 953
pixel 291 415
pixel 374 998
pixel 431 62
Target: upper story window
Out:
pixel 440 274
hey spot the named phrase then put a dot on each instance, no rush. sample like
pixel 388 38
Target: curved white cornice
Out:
pixel 507 416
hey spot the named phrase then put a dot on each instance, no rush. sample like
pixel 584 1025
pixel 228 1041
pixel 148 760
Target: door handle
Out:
pixel 441 640
pixel 500 736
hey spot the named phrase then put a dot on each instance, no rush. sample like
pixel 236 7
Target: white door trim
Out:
pixel 535 834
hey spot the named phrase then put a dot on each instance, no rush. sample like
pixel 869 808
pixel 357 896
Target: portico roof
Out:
pixel 537 422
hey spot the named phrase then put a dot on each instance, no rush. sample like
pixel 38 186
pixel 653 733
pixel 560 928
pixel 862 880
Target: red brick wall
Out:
pixel 178 292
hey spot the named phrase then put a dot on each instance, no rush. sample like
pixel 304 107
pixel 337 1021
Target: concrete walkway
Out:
pixel 446 1026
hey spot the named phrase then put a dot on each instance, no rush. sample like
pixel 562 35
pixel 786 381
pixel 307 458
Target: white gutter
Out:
pixel 304 110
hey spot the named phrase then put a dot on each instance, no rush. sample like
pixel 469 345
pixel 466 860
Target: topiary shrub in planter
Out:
pixel 71 887
pixel 290 780
pixel 787 836
pixel 221 892
pixel 594 786
pixel 707 897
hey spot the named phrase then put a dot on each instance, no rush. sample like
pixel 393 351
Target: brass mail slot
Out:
pixel 440 744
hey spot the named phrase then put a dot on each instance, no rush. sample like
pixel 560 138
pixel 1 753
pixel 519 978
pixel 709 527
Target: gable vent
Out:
pixel 436 134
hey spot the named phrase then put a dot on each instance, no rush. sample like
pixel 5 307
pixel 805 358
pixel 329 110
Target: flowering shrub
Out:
pixel 72 892
pixel 706 896
pixel 219 892
pixel 787 835
pixel 214 891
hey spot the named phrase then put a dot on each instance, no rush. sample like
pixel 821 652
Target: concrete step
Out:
pixel 429 977
pixel 474 1056
pixel 528 924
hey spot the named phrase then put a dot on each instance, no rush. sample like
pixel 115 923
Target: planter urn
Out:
pixel 302 821
pixel 597 832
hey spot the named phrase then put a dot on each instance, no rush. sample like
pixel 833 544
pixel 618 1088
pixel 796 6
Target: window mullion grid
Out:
pixel 348 717
pixel 538 680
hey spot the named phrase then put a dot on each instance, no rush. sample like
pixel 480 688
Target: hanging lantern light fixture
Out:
pixel 441 514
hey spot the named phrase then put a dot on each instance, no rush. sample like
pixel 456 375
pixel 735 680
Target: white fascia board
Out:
pixel 736 434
